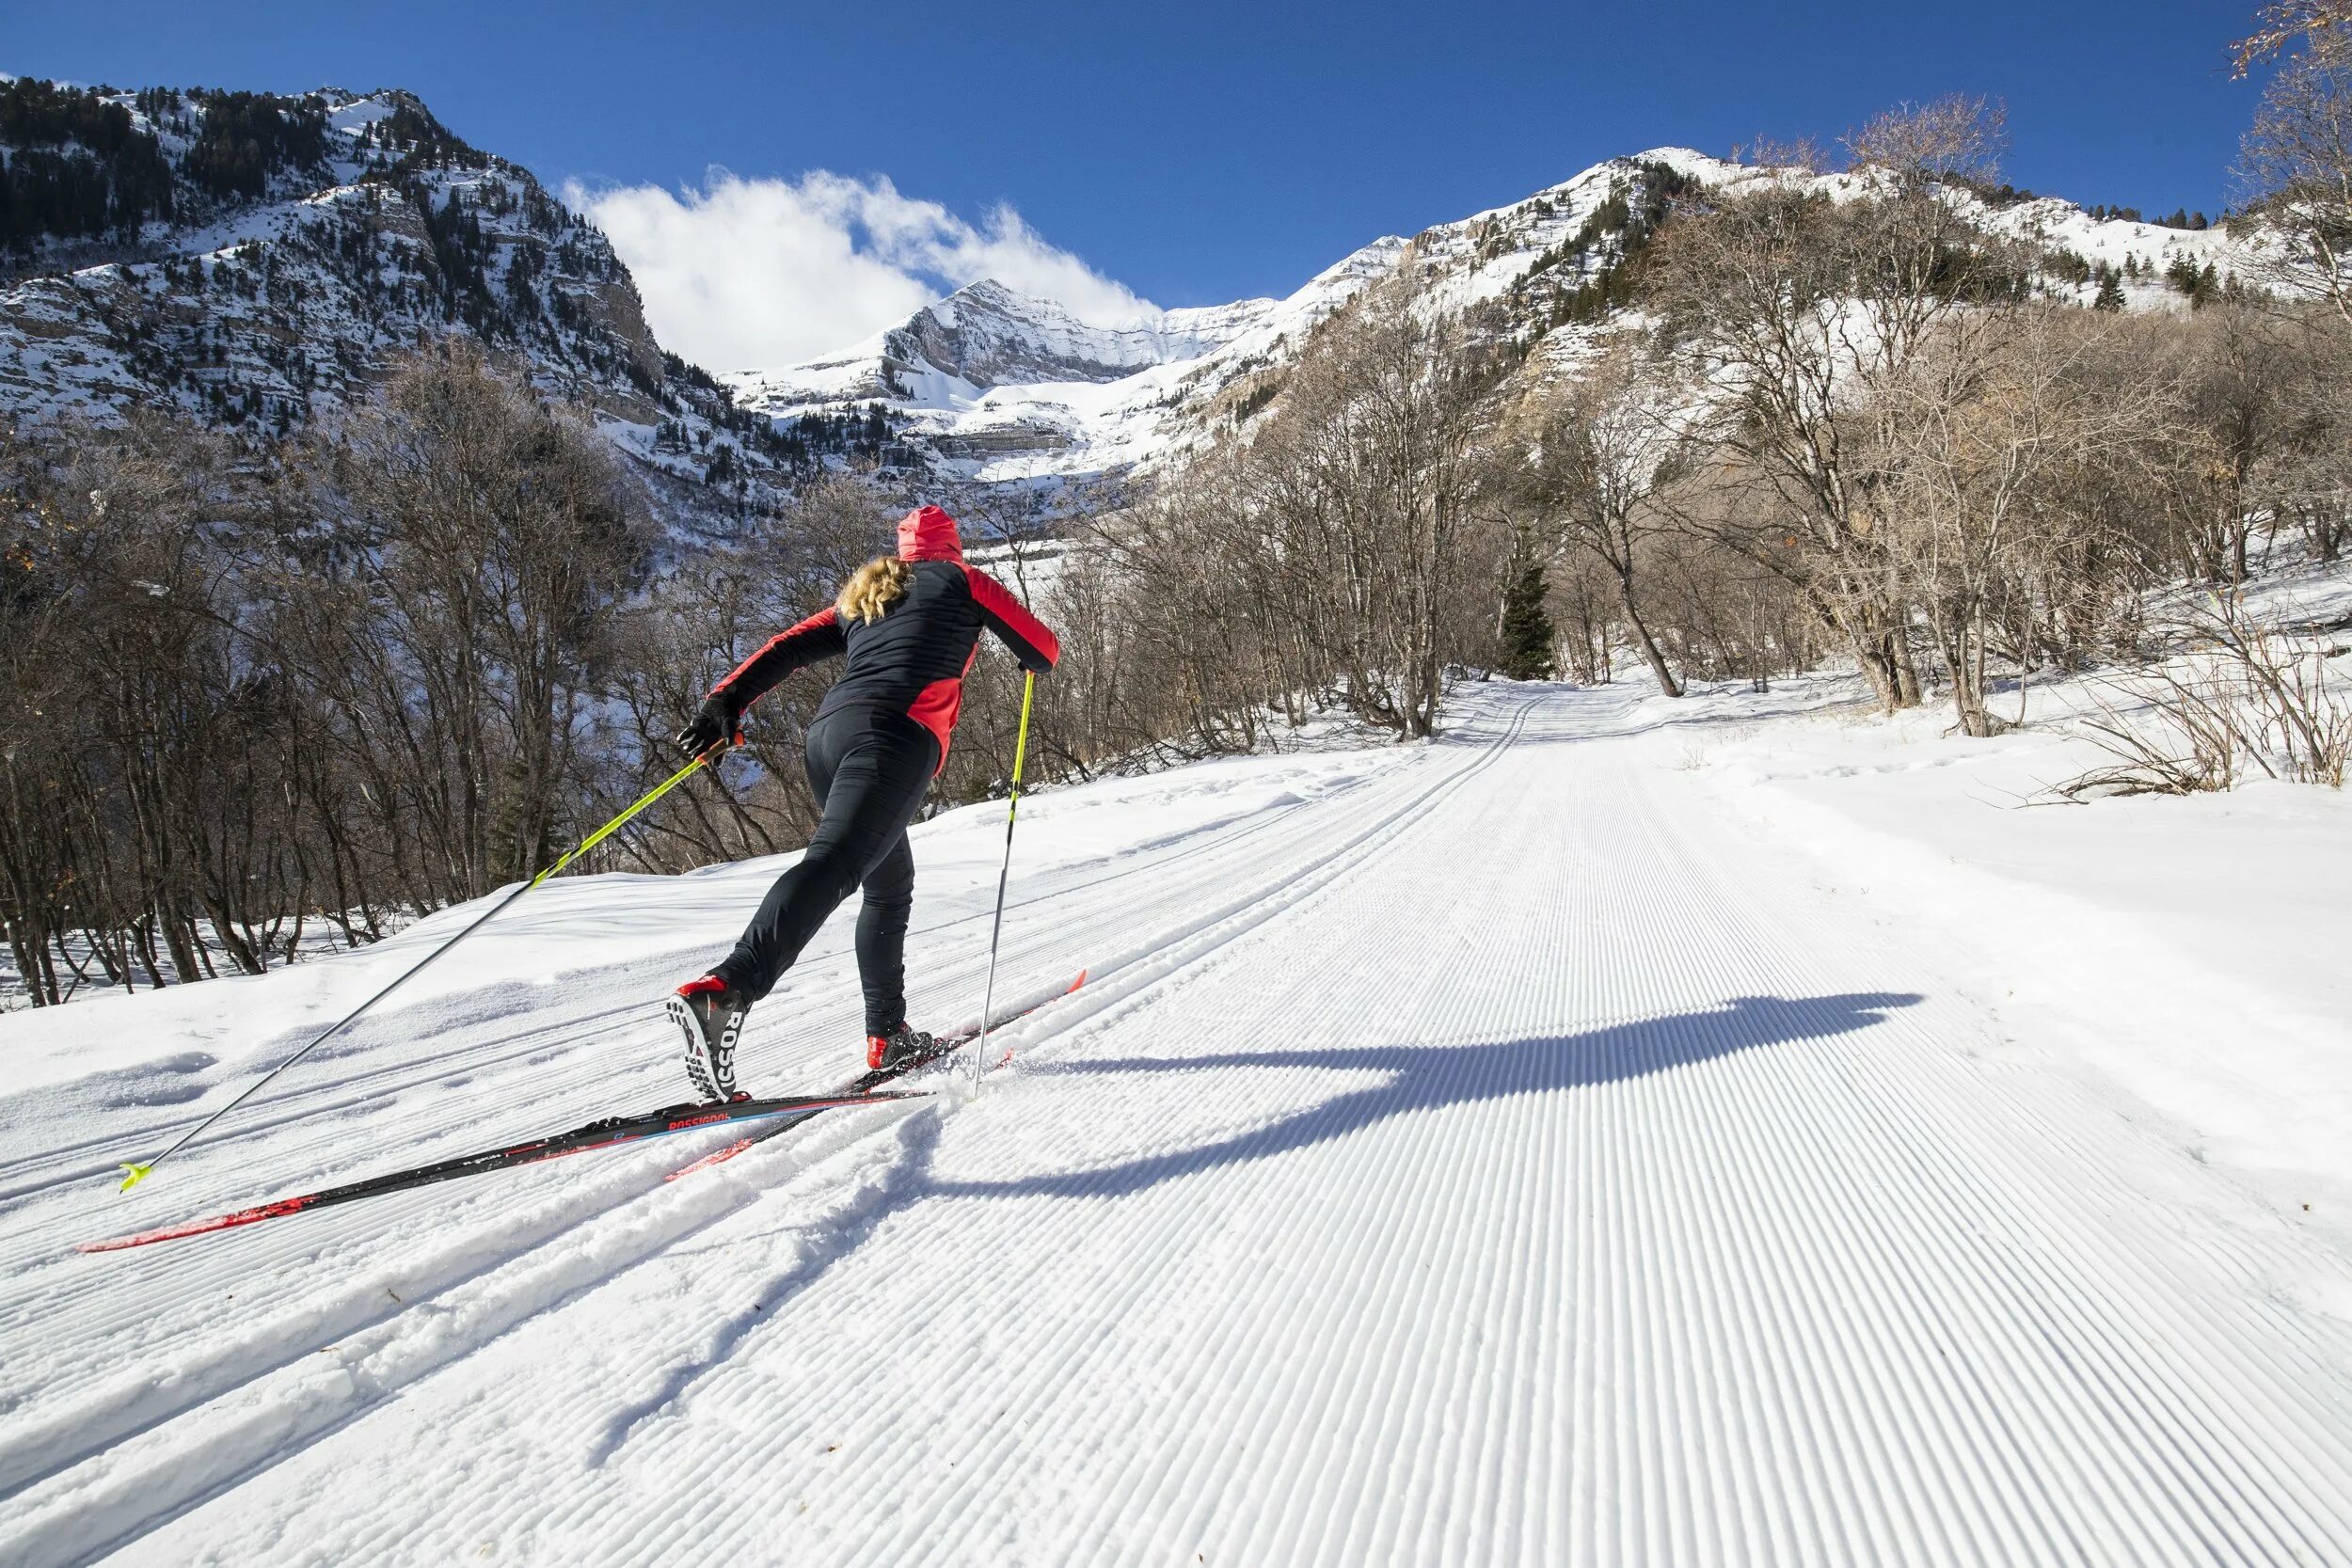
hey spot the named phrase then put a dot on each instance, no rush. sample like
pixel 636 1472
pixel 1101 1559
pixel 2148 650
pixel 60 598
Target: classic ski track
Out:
pixel 53 1447
pixel 583 1083
pixel 1581 1263
pixel 369 1086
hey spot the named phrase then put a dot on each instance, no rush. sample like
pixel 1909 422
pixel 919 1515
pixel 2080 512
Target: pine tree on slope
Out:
pixel 1527 630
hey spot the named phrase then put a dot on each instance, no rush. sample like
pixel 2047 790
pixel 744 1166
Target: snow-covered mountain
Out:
pixel 1003 387
pixel 258 259
pixel 944 368
pixel 255 260
pixel 997 385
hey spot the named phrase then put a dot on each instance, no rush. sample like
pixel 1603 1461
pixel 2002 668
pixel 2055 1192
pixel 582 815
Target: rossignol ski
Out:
pixel 605 1133
pixel 788 1111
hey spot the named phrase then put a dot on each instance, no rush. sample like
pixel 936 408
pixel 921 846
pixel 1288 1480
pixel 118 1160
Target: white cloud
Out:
pixel 748 273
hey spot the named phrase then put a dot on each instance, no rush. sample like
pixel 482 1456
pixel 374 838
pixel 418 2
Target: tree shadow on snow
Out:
pixel 1428 1077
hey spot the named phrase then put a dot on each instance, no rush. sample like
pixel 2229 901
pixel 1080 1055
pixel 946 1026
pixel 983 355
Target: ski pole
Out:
pixel 138 1171
pixel 995 930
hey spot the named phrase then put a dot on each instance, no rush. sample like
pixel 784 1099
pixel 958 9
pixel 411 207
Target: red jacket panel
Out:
pixel 913 660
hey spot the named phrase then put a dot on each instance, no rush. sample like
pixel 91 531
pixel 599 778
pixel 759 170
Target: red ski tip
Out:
pixel 714 1158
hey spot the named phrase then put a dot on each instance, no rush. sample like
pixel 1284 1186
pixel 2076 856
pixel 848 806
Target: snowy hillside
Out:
pixel 1718 1186
pixel 260 300
pixel 346 231
pixel 1008 387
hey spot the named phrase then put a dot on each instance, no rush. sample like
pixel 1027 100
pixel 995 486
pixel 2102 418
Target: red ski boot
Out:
pixel 902 1048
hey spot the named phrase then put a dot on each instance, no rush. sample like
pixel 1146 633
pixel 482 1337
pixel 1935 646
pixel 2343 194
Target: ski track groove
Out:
pixel 2149 1392
pixel 586 1090
pixel 53 1455
pixel 1581 1263
pixel 1818 1209
pixel 1714 1114
pixel 297 1102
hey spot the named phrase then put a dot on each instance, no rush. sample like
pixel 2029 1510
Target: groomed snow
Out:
pixel 1558 1142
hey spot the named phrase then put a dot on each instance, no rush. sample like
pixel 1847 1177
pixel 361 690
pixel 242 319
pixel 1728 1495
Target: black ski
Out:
pixel 605 1133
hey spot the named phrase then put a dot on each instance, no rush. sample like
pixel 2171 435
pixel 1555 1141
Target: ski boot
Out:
pixel 710 1018
pixel 903 1047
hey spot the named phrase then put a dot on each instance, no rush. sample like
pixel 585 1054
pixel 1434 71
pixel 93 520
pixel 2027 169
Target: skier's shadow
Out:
pixel 1423 1077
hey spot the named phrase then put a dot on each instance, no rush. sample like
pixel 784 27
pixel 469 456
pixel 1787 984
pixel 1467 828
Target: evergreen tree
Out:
pixel 2203 285
pixel 1527 630
pixel 2110 292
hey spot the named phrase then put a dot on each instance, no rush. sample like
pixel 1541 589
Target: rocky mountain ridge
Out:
pixel 258 261
pixel 1001 386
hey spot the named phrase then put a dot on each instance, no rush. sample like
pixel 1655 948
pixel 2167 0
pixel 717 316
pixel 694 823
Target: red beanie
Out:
pixel 926 534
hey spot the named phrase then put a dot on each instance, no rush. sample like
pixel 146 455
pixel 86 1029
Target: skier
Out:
pixel 910 624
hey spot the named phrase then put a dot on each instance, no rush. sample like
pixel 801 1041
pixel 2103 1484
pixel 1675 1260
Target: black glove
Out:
pixel 712 725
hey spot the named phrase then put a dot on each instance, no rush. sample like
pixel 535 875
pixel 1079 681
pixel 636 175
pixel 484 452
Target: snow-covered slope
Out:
pixel 1678 1199
pixel 2059 226
pixel 261 302
pixel 1005 386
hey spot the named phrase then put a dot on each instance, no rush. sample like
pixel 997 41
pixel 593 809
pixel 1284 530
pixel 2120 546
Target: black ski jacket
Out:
pixel 913 660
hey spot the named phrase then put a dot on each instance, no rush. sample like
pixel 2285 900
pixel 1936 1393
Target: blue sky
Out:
pixel 1202 152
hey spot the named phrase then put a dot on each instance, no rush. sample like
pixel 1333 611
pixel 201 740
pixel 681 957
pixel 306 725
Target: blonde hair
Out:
pixel 873 588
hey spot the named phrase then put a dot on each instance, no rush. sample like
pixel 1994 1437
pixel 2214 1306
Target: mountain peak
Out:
pixel 255 260
pixel 1005 385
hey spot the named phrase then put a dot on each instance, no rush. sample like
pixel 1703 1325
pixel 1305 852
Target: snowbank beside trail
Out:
pixel 184 1043
pixel 2194 953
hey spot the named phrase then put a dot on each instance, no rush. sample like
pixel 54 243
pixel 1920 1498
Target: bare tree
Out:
pixel 1382 421
pixel 2277 27
pixel 1799 304
pixel 2239 366
pixel 483 546
pixel 146 722
pixel 2297 165
pixel 2307 480
pixel 1601 448
pixel 1956 138
pixel 1983 422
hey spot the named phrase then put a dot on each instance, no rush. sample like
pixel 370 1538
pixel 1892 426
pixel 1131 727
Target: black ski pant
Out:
pixel 871 768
